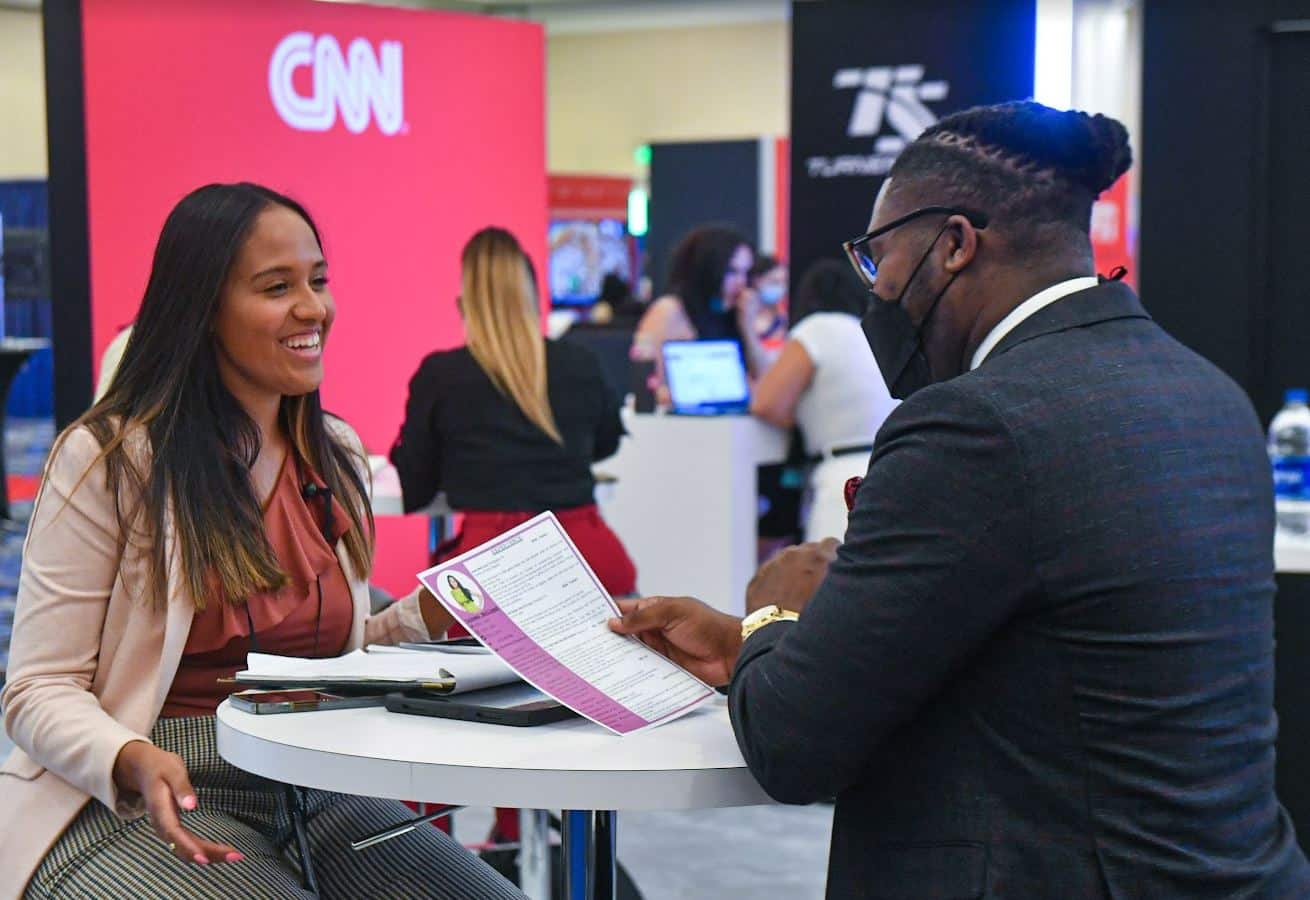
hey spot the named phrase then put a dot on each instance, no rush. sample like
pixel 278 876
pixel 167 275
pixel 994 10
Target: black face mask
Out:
pixel 896 342
pixel 896 346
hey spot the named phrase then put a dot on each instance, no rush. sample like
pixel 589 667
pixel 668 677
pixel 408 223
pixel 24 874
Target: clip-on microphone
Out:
pixel 310 491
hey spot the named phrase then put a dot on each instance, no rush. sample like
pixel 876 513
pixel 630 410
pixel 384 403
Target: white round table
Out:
pixel 690 763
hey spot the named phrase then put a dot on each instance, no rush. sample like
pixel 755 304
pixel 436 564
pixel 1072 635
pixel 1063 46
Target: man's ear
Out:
pixel 963 243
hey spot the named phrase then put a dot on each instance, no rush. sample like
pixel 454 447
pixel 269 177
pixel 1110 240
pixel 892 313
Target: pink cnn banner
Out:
pixel 402 132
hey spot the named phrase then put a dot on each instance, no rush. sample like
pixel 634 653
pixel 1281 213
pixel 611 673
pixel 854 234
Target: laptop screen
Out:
pixel 706 377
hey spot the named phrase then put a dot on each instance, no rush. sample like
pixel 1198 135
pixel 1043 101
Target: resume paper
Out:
pixel 533 600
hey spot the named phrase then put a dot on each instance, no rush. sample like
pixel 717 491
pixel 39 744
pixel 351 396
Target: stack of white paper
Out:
pixel 453 673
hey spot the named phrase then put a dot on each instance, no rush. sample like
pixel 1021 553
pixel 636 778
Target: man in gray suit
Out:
pixel 1041 662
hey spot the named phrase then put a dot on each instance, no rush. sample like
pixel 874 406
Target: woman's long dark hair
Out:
pixel 193 471
pixel 698 265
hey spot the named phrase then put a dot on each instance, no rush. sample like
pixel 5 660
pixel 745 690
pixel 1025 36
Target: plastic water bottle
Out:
pixel 1289 452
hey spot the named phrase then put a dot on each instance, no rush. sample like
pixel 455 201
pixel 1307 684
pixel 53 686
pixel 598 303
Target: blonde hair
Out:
pixel 502 325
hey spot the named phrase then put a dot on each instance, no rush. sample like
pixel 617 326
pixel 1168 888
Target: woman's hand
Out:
pixel 161 780
pixel 663 398
pixel 435 616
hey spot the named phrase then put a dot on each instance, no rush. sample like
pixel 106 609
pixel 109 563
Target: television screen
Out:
pixel 582 253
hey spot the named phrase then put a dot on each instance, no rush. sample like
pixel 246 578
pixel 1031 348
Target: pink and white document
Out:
pixel 531 598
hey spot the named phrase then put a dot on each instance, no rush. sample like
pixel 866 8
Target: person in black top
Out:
pixel 464 436
pixel 617 307
pixel 509 424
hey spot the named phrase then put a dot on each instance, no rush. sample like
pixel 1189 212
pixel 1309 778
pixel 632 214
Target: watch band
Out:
pixel 765 615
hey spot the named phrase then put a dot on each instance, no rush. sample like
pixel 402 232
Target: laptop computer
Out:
pixel 706 378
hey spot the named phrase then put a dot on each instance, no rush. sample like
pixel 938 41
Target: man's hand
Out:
pixel 702 640
pixel 791 578
pixel 161 779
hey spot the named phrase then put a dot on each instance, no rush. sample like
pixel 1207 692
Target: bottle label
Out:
pixel 1292 477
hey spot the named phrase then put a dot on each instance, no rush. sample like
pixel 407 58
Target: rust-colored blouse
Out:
pixel 285 621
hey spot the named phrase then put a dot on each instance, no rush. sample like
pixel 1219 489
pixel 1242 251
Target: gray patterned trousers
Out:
pixel 103 857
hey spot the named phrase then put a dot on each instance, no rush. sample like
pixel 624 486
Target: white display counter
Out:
pixel 685 503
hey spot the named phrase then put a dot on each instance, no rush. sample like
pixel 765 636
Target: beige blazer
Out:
pixel 91 662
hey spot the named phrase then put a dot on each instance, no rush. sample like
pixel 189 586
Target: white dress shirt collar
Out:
pixel 1038 301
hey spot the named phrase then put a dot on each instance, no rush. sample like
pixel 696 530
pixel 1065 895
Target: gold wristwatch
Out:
pixel 765 615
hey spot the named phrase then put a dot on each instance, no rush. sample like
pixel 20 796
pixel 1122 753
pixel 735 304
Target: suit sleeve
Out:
pixel 936 559
pixel 416 454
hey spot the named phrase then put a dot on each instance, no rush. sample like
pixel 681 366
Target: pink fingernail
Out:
pixel 189 801
pixel 234 857
pixel 201 859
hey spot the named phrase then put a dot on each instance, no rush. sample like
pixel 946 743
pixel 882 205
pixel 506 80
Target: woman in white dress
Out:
pixel 826 382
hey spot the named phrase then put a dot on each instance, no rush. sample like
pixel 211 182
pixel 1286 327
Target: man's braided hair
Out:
pixel 1034 171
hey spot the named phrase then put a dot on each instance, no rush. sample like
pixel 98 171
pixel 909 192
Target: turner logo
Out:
pixel 352 83
pixel 895 95
pixel 887 98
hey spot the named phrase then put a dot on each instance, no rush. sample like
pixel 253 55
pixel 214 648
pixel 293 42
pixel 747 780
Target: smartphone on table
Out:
pixel 447 645
pixel 512 704
pixel 301 700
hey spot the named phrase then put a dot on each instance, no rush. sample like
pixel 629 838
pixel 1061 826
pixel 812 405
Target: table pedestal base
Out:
pixel 589 844
pixel 534 854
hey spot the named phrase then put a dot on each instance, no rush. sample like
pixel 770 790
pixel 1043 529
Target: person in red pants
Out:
pixel 509 424
pixel 595 541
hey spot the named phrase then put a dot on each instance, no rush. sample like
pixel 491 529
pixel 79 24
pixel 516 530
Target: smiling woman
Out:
pixel 274 320
pixel 205 507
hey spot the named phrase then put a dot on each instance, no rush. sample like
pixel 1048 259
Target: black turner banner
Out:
pixel 868 76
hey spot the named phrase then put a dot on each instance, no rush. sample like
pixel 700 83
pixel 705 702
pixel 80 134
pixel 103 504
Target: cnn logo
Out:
pixel 352 83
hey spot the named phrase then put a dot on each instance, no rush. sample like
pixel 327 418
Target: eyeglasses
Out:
pixel 857 249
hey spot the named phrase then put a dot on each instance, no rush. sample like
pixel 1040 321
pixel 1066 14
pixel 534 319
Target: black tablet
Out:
pixel 512 704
